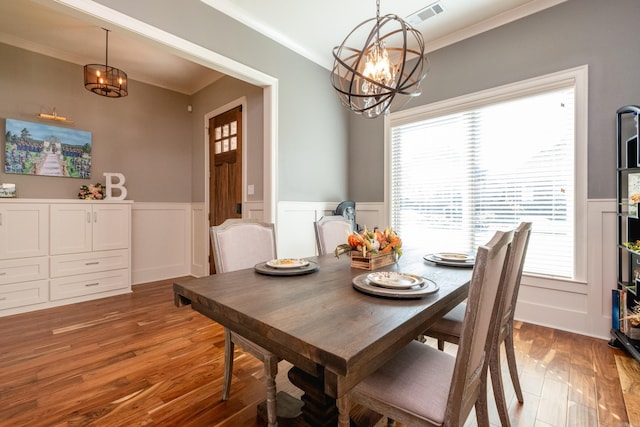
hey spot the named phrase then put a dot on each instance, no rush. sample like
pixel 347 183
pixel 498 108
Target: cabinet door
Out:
pixel 24 230
pixel 110 227
pixel 71 228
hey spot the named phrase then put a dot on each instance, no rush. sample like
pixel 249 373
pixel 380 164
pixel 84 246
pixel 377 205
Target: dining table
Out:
pixel 332 332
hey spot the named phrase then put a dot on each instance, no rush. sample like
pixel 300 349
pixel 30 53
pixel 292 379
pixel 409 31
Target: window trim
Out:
pixel 578 77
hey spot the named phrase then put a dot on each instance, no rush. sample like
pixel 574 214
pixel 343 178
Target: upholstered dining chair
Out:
pixel 424 386
pixel 449 328
pixel 331 231
pixel 238 244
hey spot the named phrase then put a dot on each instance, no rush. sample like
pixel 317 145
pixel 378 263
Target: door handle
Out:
pixel 239 208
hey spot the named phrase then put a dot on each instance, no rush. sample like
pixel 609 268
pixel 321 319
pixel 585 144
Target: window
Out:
pixel 465 168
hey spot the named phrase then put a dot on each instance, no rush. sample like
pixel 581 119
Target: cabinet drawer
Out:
pixel 92 262
pixel 23 270
pixel 25 293
pixel 87 284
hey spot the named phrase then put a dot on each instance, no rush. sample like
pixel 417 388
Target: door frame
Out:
pixel 239 102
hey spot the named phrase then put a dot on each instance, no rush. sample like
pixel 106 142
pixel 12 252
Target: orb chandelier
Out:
pixel 105 80
pixel 386 73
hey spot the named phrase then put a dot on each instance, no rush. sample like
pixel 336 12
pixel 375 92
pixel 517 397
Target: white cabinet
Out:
pixel 84 227
pixel 24 246
pixel 89 262
pixel 24 230
pixel 56 252
pixel 23 282
pixel 88 284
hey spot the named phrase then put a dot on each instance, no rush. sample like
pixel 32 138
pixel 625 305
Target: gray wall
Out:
pixel 146 136
pixel 312 127
pixel 603 35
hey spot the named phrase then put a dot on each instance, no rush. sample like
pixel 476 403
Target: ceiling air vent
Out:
pixel 425 13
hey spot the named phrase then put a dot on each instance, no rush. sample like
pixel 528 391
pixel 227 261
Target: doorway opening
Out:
pixel 226 166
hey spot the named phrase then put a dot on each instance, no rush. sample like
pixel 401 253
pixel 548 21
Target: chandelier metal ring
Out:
pixel 386 73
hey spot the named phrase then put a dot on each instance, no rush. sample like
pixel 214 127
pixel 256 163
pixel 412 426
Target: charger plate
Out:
pixel 264 268
pixel 427 287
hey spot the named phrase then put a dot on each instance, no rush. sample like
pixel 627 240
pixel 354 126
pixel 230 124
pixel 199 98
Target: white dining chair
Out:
pixel 424 386
pixel 239 244
pixel 331 231
pixel 449 328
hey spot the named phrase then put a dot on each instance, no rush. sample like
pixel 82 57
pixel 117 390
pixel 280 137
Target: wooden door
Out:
pixel 225 166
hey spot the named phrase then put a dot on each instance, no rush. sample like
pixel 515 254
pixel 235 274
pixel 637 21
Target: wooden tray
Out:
pixel 372 261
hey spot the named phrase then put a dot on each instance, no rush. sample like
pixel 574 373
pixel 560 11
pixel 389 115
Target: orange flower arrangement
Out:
pixel 372 241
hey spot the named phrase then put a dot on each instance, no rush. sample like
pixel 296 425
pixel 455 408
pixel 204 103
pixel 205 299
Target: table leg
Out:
pixel 318 409
pixel 344 408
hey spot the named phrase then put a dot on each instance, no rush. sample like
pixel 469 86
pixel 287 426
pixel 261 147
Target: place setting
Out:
pixel 451 259
pixel 287 267
pixel 393 284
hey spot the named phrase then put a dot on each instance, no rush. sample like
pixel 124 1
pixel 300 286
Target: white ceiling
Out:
pixel 311 29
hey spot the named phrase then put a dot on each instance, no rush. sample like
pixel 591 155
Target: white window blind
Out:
pixel 459 177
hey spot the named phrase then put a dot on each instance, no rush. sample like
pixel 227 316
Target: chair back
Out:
pixel 480 326
pixel 513 274
pixel 331 231
pixel 242 243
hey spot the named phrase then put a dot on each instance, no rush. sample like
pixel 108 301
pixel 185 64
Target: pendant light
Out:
pixel 386 72
pixel 105 80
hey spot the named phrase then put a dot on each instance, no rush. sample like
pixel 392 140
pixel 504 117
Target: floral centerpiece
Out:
pixel 91 192
pixel 371 249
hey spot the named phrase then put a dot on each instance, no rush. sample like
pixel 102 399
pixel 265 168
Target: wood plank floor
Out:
pixel 137 360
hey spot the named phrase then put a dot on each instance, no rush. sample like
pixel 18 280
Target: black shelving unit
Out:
pixel 628 216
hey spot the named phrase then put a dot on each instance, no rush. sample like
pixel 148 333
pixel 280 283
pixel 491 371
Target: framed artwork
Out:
pixel 40 149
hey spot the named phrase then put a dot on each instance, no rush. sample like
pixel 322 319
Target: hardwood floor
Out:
pixel 137 360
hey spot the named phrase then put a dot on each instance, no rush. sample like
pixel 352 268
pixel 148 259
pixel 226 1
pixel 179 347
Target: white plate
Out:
pixel 394 280
pixel 464 264
pixel 287 263
pixel 453 256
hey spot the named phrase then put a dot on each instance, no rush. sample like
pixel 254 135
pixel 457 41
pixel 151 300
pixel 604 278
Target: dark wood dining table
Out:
pixel 333 334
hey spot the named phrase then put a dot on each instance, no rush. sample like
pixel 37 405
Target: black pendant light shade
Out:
pixel 105 80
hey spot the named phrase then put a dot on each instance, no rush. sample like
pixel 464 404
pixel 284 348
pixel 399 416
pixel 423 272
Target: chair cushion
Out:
pixel 417 380
pixel 450 323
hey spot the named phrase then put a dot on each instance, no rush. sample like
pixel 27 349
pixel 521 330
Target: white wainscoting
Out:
pixel 200 234
pixel 199 241
pixel 161 241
